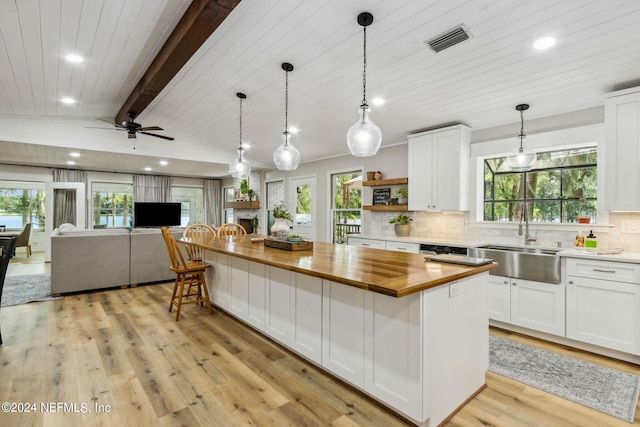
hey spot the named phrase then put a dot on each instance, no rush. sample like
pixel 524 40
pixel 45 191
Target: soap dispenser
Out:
pixel 590 241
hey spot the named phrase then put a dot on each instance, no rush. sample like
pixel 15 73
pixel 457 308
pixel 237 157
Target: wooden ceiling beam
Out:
pixel 198 23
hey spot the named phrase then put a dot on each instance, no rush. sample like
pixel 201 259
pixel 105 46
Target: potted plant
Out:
pixel 402 194
pixel 401 224
pixel 280 228
pixel 254 223
pixel 294 238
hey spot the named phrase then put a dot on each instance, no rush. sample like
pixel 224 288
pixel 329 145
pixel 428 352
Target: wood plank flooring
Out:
pixel 120 355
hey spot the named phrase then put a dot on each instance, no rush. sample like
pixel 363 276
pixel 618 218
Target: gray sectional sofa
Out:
pixel 84 260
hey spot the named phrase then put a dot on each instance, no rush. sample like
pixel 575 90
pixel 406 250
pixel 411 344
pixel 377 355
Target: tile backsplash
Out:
pixel 457 226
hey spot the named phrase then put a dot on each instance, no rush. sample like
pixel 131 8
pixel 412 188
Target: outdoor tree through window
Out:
pixel 561 186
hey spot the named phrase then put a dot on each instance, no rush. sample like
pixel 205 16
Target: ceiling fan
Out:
pixel 133 128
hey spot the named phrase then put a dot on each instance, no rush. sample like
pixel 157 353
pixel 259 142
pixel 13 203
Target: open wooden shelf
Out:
pixel 386 207
pixel 254 204
pixel 392 181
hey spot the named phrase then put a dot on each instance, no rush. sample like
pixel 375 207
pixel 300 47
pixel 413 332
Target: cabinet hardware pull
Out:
pixel 366 244
pixel 571 282
pixel 402 249
pixel 513 283
pixel 599 270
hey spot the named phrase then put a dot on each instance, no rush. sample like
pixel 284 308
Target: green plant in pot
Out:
pixel 254 223
pixel 401 224
pixel 402 194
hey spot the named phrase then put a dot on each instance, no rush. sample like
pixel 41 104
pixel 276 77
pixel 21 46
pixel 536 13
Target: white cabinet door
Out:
pixel 239 288
pixel 278 316
pixel 539 306
pixel 499 298
pixel 392 355
pixel 367 243
pixel 219 278
pixel 343 331
pixel 604 313
pixel 413 248
pixel 622 150
pixel 307 316
pixel 438 169
pixel 257 295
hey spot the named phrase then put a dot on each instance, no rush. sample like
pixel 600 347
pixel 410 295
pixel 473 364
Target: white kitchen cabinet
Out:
pixel 413 248
pixel 603 303
pixel 278 315
pixel 499 298
pixel 256 307
pixel 539 306
pixel 239 288
pixel 218 278
pixel 367 243
pixel 307 316
pixel 343 314
pixel 438 169
pixel 622 150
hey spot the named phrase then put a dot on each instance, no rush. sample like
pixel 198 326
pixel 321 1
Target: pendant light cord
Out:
pixel 240 123
pixel 521 129
pixel 364 70
pixel 286 103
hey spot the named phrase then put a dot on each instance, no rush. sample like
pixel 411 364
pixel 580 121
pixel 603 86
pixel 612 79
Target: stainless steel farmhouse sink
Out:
pixel 528 263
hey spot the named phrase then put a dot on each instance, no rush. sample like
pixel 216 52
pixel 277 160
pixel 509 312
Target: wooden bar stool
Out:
pixel 199 233
pixel 188 274
pixel 231 229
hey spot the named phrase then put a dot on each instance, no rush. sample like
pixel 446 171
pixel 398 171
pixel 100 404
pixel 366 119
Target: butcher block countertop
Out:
pixel 387 272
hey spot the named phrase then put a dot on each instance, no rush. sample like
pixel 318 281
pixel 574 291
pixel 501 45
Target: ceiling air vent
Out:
pixel 448 39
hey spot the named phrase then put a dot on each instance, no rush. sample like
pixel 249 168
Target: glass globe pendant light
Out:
pixel 522 160
pixel 286 156
pixel 364 137
pixel 240 167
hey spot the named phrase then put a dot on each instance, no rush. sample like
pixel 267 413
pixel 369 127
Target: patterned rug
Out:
pixel 603 389
pixel 24 289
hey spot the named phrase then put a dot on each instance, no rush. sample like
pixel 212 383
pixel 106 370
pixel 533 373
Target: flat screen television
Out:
pixel 150 214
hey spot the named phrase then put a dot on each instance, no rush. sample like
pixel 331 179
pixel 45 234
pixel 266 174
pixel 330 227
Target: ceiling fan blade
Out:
pixel 150 128
pixel 158 136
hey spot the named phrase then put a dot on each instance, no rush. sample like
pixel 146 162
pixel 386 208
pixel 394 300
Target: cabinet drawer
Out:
pixel 367 243
pixel 414 248
pixel 608 270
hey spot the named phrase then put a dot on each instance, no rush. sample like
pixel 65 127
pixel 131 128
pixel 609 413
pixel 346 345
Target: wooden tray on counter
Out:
pixel 289 246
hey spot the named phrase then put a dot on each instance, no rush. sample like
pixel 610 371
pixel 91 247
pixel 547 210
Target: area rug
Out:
pixel 603 389
pixel 24 289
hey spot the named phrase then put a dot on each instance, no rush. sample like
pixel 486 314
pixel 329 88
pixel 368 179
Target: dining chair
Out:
pixel 7 245
pixel 23 239
pixel 188 274
pixel 231 229
pixel 200 233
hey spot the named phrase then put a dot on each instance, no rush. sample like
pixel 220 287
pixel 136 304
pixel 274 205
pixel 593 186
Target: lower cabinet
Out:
pixel 413 248
pixel 218 278
pixel 534 305
pixel 367 243
pixel 603 304
pixel 306 310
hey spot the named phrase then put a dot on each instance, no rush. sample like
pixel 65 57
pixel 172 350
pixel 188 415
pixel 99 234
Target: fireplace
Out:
pixel 246 223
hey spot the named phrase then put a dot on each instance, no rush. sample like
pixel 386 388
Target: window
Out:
pixel 229 195
pixel 112 205
pixel 561 186
pixel 192 201
pixel 21 203
pixel 346 199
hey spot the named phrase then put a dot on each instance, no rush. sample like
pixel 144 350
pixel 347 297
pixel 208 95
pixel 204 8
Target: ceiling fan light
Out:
pixel 286 157
pixel 364 137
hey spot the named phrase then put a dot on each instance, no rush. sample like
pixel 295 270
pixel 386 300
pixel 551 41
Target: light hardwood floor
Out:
pixel 121 348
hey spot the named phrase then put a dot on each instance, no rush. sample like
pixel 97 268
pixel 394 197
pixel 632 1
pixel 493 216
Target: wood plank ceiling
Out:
pixel 477 82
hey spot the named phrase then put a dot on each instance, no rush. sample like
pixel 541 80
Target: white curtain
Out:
pixel 150 188
pixel 212 201
pixel 64 201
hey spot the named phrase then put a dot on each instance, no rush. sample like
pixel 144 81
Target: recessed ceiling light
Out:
pixel 293 130
pixel 68 101
pixel 163 162
pixel 544 43
pixel 74 154
pixel 71 162
pixel 377 101
pixel 74 58
pixel 147 169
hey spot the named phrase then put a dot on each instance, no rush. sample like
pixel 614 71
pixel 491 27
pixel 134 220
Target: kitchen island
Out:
pixel 409 333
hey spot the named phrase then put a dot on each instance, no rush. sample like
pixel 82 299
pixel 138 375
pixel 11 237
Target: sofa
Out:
pixel 83 260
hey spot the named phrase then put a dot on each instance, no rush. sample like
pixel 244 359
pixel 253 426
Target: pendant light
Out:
pixel 240 167
pixel 522 160
pixel 286 156
pixel 364 137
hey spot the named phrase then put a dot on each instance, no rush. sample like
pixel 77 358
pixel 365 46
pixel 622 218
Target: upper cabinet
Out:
pixel 622 150
pixel 439 169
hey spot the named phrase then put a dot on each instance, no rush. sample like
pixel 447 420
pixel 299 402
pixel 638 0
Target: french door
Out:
pixel 302 200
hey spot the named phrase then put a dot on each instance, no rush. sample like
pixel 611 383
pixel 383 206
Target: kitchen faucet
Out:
pixel 528 238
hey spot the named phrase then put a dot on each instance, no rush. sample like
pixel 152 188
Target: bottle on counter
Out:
pixel 590 241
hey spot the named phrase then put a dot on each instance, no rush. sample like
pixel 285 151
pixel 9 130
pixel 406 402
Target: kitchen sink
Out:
pixel 528 263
